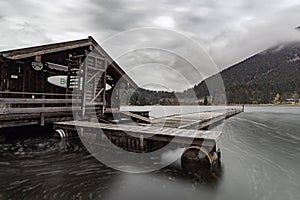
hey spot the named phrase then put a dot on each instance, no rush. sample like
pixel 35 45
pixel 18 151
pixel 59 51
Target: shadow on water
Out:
pixel 171 182
pixel 47 168
pixel 33 165
pixel 168 183
pixel 22 133
pixel 195 176
pixel 260 156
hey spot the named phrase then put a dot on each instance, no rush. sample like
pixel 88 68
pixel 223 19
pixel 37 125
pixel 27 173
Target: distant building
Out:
pixel 293 101
pixel 169 101
pixel 209 99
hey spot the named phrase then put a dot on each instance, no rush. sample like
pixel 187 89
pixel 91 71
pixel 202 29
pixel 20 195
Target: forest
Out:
pixel 271 76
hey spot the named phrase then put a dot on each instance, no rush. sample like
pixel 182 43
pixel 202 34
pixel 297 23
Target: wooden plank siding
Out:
pixel 24 73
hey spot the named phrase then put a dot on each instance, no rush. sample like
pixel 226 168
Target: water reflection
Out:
pixel 260 160
pixel 64 169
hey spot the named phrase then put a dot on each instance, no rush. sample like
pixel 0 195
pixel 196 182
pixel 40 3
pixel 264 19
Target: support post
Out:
pixel 85 75
pixel 104 85
pixel 43 114
pixel 42 119
pixel 142 142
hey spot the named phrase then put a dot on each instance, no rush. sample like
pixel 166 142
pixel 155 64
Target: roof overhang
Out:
pixel 63 46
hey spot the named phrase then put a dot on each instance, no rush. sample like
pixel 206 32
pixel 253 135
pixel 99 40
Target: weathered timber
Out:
pixel 164 134
pixel 41 50
pixel 202 146
pixel 38 101
pixel 16 120
pixel 39 110
pixel 51 78
pixel 137 116
pixel 10 93
pixel 200 120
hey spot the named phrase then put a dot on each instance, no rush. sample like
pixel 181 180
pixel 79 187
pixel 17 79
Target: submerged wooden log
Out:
pixel 198 156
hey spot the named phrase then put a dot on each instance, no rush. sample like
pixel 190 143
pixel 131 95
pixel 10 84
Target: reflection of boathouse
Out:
pixel 38 85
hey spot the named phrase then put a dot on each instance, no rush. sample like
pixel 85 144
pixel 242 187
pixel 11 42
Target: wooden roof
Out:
pixel 18 54
pixel 44 49
pixel 2 59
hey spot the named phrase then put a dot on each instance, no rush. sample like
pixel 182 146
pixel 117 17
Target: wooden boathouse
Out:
pixel 37 84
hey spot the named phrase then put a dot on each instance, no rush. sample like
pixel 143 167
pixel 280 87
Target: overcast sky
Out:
pixel 226 32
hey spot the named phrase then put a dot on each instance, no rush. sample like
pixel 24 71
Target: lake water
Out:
pixel 260 160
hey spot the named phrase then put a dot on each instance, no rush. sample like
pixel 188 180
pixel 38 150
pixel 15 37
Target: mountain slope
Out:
pixel 260 78
pixel 256 80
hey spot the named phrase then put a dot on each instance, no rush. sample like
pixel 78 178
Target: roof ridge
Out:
pixel 8 53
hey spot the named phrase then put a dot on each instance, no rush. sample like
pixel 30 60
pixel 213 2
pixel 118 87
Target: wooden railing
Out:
pixel 28 103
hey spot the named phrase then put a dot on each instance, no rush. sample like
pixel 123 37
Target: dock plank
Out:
pixel 145 130
pixel 179 128
pixel 201 120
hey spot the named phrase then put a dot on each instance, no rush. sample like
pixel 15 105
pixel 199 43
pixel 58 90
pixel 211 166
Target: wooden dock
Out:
pixel 184 130
pixel 156 133
pixel 200 121
pixel 45 84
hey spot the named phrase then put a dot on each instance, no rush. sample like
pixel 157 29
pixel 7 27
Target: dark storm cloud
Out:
pixel 230 30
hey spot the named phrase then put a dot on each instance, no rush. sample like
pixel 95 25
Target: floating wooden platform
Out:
pixel 199 120
pixel 185 126
pixel 156 133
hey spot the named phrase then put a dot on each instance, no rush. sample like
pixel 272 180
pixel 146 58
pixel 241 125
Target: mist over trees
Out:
pixel 256 80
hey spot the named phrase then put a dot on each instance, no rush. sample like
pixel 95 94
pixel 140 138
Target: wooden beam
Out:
pixel 46 51
pixel 104 85
pixel 38 94
pixel 94 76
pixel 42 119
pixel 34 119
pixel 84 91
pixel 20 123
pixel 57 66
pixel 38 101
pixel 38 110
pixel 96 56
pixel 99 93
pixel 95 104
pixel 156 133
pixel 139 117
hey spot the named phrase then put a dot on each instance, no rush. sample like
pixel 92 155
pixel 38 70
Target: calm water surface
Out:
pixel 260 160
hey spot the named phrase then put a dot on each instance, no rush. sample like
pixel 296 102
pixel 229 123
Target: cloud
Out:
pixel 230 30
pixel 185 58
pixel 254 34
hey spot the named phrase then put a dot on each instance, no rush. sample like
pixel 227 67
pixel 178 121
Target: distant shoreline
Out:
pixel 246 105
pixel 274 105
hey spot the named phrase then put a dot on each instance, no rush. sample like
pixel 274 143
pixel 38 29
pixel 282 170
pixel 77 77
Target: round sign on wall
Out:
pixel 38 66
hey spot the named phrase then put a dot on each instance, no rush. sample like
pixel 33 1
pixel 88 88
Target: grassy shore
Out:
pixel 292 105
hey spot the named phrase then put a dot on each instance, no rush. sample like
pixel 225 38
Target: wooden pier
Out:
pixel 154 134
pixel 47 84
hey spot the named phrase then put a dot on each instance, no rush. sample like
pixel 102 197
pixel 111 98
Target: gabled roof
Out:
pixel 56 47
pixel 44 49
pixel 3 59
